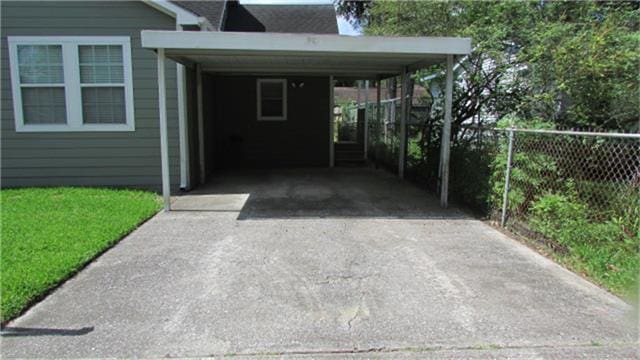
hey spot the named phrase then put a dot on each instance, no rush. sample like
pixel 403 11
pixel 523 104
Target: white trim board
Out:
pixel 182 15
pixel 305 43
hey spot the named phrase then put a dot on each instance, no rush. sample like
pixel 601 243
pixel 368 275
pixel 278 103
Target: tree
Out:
pixel 573 63
pixel 356 12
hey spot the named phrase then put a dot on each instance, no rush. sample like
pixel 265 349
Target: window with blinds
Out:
pixel 272 99
pixel 102 82
pixel 42 84
pixel 72 83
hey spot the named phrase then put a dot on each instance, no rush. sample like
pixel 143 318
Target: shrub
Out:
pixel 605 250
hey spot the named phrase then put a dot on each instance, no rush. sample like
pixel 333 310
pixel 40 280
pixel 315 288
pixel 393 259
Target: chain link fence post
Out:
pixel 507 175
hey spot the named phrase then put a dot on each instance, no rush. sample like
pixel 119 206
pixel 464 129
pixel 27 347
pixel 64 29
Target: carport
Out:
pixel 364 58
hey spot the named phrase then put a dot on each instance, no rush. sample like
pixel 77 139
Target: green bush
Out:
pixel 605 250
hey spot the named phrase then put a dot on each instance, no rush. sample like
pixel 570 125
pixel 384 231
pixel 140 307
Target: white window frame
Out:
pixel 72 86
pixel 282 82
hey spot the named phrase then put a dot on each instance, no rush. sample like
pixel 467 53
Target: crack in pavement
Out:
pixel 354 317
pixel 420 349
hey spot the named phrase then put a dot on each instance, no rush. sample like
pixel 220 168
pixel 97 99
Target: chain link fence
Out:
pixel 384 133
pixel 596 169
pixel 384 137
pixel 346 123
pixel 578 193
pixel 557 180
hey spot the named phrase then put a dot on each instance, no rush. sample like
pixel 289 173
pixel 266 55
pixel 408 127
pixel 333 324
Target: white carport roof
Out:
pixel 359 57
pixel 372 57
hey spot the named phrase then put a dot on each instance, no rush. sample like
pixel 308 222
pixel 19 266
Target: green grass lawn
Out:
pixel 48 234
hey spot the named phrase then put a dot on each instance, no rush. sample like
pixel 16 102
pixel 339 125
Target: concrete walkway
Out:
pixel 319 263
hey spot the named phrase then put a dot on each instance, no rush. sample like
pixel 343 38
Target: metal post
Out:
pixel 446 136
pixel 378 119
pixel 331 124
pixel 390 119
pixel 366 118
pixel 199 96
pixel 507 176
pixel 164 142
pixel 403 123
pixel 185 179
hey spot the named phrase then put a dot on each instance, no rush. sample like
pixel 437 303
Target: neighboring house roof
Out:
pixel 317 19
pixel 212 10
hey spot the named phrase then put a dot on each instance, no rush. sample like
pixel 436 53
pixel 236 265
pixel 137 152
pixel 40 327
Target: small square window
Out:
pixel 272 99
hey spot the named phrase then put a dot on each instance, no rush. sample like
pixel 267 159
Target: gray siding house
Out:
pixel 162 94
pixel 80 98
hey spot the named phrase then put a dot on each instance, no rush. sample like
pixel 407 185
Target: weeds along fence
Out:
pixel 540 183
pixel 559 185
pixel 576 192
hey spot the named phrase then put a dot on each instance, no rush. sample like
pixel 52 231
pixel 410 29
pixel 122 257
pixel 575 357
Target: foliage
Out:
pixel 596 220
pixel 470 170
pixel 584 64
pixel 542 65
pixel 49 234
pixel 346 124
pixel 575 63
pixel 356 12
pixel 529 172
pixel 604 250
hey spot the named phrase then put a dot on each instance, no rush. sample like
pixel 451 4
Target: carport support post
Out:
pixel 507 175
pixel 331 124
pixel 378 116
pixel 366 119
pixel 164 143
pixel 402 149
pixel 185 181
pixel 446 136
pixel 203 174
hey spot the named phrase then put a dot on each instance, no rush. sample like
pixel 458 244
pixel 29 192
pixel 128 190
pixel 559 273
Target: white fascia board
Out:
pixel 182 16
pixel 317 43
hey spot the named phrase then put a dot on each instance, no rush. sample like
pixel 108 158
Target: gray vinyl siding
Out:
pixel 117 159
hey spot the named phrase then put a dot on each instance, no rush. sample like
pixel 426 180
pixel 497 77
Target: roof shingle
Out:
pixel 317 19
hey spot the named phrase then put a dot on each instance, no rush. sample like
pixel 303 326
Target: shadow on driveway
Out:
pixel 22 331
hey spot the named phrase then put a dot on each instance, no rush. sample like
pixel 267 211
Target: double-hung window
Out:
pixel 272 99
pixel 71 83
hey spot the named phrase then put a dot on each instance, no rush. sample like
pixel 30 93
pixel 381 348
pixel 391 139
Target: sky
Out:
pixel 344 27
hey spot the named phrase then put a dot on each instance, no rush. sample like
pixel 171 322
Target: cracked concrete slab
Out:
pixel 322 263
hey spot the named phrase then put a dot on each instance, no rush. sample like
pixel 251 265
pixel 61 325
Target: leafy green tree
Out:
pixel 574 63
pixel 584 64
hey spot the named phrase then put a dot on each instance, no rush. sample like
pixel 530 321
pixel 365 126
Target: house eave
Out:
pixel 321 43
pixel 183 17
pixel 318 54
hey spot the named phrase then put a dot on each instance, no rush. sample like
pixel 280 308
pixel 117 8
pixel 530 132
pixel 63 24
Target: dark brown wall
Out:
pixel 240 140
pixel 209 109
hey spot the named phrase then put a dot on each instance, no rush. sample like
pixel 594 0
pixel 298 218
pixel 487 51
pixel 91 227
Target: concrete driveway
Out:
pixel 319 263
